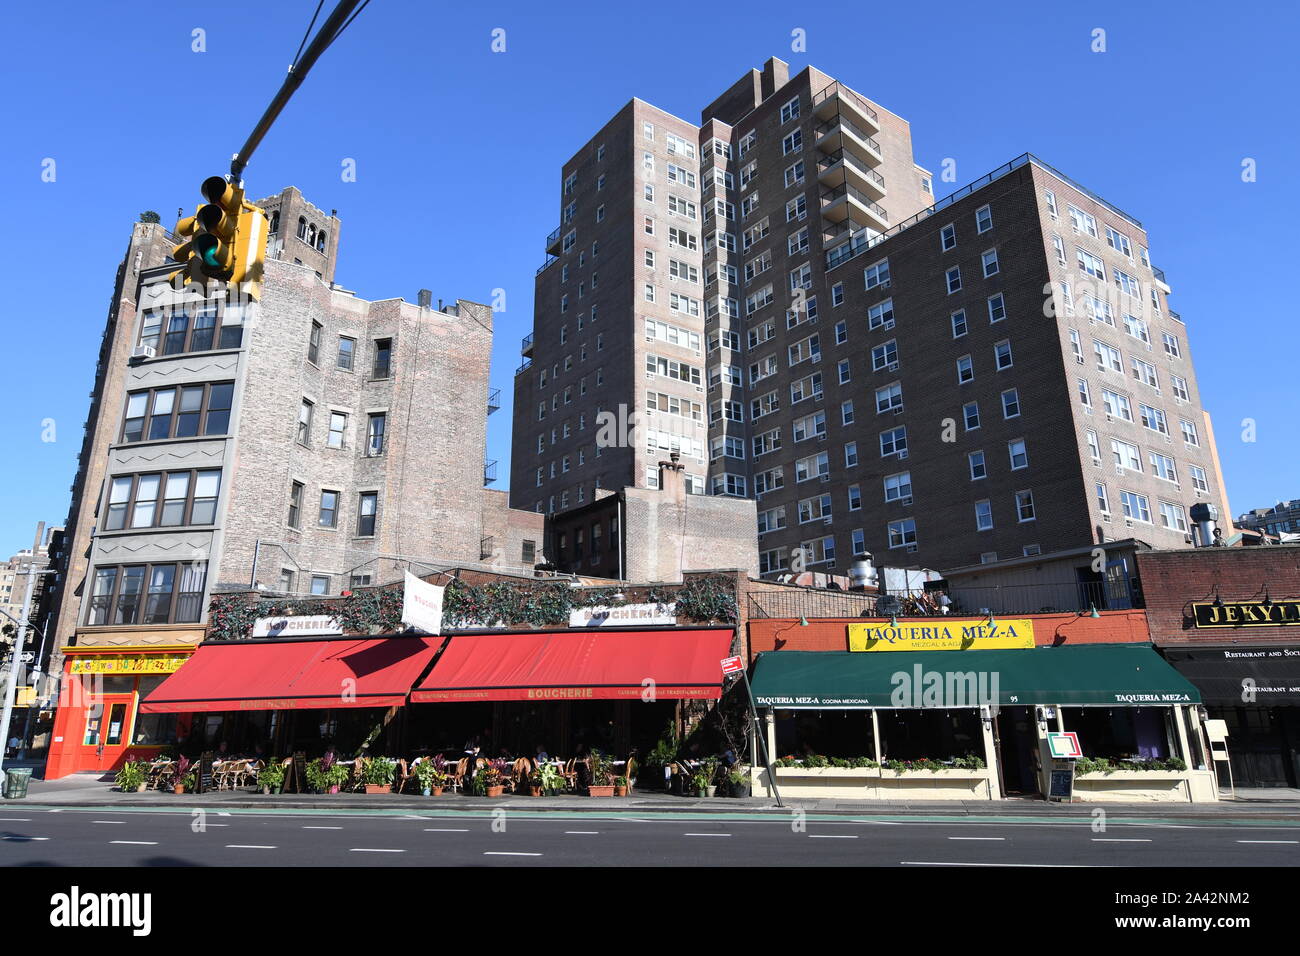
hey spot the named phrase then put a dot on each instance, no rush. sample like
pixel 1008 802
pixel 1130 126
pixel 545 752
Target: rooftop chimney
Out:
pixel 424 298
pixel 672 477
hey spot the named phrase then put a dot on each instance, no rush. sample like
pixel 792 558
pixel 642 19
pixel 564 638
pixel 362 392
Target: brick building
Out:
pixel 778 286
pixel 1229 620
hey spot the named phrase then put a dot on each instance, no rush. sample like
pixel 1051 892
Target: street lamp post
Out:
pixel 20 639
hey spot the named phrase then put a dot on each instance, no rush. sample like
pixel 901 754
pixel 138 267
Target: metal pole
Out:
pixel 762 740
pixel 11 692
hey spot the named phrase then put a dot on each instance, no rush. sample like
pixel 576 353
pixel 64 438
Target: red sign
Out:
pixel 732 664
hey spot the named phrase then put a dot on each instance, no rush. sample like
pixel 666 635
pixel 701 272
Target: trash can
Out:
pixel 16 782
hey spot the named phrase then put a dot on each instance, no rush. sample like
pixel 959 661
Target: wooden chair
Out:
pixel 404 774
pixel 456 779
pixel 629 771
pixel 354 782
pixel 250 771
pixel 570 774
pixel 519 774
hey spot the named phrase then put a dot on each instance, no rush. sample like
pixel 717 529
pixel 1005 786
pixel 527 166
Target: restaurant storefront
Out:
pixel 882 720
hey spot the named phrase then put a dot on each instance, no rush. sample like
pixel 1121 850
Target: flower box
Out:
pixel 598 791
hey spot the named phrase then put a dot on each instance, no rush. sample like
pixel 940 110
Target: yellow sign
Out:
pixel 941 635
pixel 129 664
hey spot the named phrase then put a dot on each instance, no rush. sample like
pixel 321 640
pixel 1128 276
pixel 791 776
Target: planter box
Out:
pixel 594 791
pixel 876 783
pixel 379 788
pixel 495 791
pixel 1135 786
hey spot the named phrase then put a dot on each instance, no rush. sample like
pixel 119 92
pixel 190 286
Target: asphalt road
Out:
pixel 105 837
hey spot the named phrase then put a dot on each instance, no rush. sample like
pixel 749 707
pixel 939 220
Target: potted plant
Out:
pixel 739 781
pixel 271 777
pixel 710 771
pixel 490 779
pixel 602 777
pixel 620 786
pixel 335 776
pixel 181 776
pixel 132 777
pixel 316 777
pixel 377 775
pixel 536 782
pixel 431 777
pixel 700 783
pixel 552 781
pixel 190 782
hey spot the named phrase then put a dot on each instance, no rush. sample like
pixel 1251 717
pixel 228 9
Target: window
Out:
pixel 771 520
pixel 728 484
pixel 990 262
pixel 1103 499
pixel 338 426
pixel 792 142
pixel 977 468
pixel 1090 264
pixel 983 219
pixel 680 207
pixel 772 561
pixel 899 486
pixel 1117 406
pixel 182 335
pixel 984 515
pixel 811 467
pixel 1002 354
pixel 383 358
pixel 877 274
pixel 855 498
pixel 346 351
pixel 1049 198
pixel 846 412
pixel 1189 432
pixel 841 332
pixel 1010 403
pixel 147 594
pixel 953 278
pixel 997 308
pixel 1085 394
pixel 1018 454
pixel 893 441
pixel 185 411
pixel 304 422
pixel 837 294
pixel 790 110
pixel 295 504
pixel 959 326
pixel 965 370
pixel 885 355
pixel 844 370
pixel 329 509
pixel 375 434
pixel 1119 242
pixel 1180 388
pixel 902 533
pixel 1108 357
pixel 678 145
pixel 313 344
pixel 948 237
pixel 1135 507
pixel 188 498
pixel 1094 448
pixel 1162 466
pixel 794 174
pixel 881 315
pixel 1173 517
pixel 1172 348
pixel 798 243
pixel 1059 248
pixel 1153 418
pixel 1146 373
pixel 366 508
pixel 1024 506
pixel 889 398
pixel 796 208
pixel 970 413
pixel 814 509
pixel 1126 455
pixel 804 350
pixel 1200 481
pixel 810 426
pixel 320 584
pixel 1127 284
pixel 1082 221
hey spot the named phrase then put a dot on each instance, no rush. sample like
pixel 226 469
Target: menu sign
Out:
pixel 1246 614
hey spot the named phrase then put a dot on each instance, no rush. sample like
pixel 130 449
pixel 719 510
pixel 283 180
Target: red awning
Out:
pixel 294 675
pixel 579 665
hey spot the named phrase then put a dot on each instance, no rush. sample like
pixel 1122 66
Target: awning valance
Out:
pixel 1113 674
pixel 579 665
pixel 294 675
pixel 1241 675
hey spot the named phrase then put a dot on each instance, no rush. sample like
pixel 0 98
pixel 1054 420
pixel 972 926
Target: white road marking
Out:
pixel 833 836
pixel 445 830
pixel 507 853
pixel 580 832
pixel 1268 841
pixel 708 834
pixel 223 813
pixel 16 819
pixel 135 842
pixel 25 839
pixel 976 838
pixel 1038 865
pixel 367 849
pixel 108 821
pixel 247 846
pixel 1120 840
pixel 322 828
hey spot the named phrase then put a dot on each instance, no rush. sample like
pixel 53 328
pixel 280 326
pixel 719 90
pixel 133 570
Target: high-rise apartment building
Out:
pixel 777 295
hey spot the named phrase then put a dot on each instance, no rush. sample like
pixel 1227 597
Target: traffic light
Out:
pixel 225 240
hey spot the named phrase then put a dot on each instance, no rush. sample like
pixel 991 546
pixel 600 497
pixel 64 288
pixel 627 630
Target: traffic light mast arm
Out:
pixel 297 73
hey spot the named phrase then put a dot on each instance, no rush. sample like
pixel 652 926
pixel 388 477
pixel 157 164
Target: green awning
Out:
pixel 1112 674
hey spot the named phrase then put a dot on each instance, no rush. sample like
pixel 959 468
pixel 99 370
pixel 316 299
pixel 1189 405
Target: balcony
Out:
pixel 526 346
pixel 489 472
pixel 847 204
pixel 528 363
pixel 838 133
pixel 494 400
pixel 547 264
pixel 553 242
pixel 1161 283
pixel 839 167
pixel 838 98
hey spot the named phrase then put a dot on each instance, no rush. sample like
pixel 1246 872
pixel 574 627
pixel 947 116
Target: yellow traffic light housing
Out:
pixel 225 240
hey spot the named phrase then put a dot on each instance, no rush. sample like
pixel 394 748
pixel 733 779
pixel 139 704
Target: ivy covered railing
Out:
pixel 491 604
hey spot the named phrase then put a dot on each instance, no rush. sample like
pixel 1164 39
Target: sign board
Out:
pixel 128 664
pixel 1060 784
pixel 300 626
pixel 1216 730
pixel 730 665
pixel 941 634
pixel 624 614
pixel 1246 614
pixel 1065 745
pixel 422 605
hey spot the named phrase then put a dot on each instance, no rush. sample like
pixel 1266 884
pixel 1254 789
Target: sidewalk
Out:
pixel 95 790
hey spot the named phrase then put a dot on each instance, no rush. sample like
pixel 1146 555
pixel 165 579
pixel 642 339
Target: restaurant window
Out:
pixel 1123 733
pixel 366 510
pixel 153 730
pixel 383 358
pixel 295 504
pixel 375 434
pixel 329 509
pixel 313 344
pixel 147 594
pixel 185 411
pixel 347 351
pixel 187 498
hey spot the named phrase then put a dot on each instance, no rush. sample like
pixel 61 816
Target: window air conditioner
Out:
pixel 911 549
pixel 898 410
pixel 902 454
pixel 906 501
pixel 1105 518
pixel 892 367
pixel 144 351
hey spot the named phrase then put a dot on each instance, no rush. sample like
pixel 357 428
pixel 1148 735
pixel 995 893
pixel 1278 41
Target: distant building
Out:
pixel 1281 519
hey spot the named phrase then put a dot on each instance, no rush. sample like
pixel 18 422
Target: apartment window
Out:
pixel 1200 481
pixel 1135 507
pixel 1010 403
pixel 338 427
pixel 313 344
pixel 884 355
pixel 1189 432
pixel 953 278
pixel 790 110
pixel 837 294
pixel 329 509
pixel 810 426
pixel 304 422
pixel 997 308
pixel 1117 406
pixel 1119 242
pixel 1002 355
pixel 182 335
pixel 1180 388
pixel 814 509
pixel 792 142
pixel 876 274
pixel 185 411
pixel 187 498
pixel 1094 448
pixel 1024 506
pixel 1153 418
pixel 893 441
pixel 1103 499
pixel 1128 284
pixel 320 584
pixel 889 398
pixel 845 371
pixel 948 237
pixel 769 562
pixel 1126 455
pixel 147 594
pixel 970 413
pixel 1018 454
pixel 899 486
pixel 1049 198
pixel 346 352
pixel 1146 373
pixel 295 504
pixel 841 332
pixel 881 315
pixel 1162 466
pixel 902 533
pixel 811 467
pixel 367 506
pixel 375 434
pixel 851 454
pixel 1082 221
pixel 990 262
pixel 984 515
pixel 649 225
pixel 1091 265
pixel 1172 348
pixel 959 326
pixel 729 484
pixel 1108 357
pixel 846 412
pixel 1173 517
pixel 855 498
pixel 794 174
pixel 771 520
pixel 1085 394
pixel 796 208
pixel 798 243
pixel 965 370
pixel 983 219
pixel 383 358
pixel 1076 347
pixel 1137 328
pixel 977 467
pixel 1058 247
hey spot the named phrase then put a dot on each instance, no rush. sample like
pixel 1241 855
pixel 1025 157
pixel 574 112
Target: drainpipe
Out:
pixel 252 577
pixel 622 535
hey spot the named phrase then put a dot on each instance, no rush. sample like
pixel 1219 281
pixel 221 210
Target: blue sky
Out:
pixel 458 151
